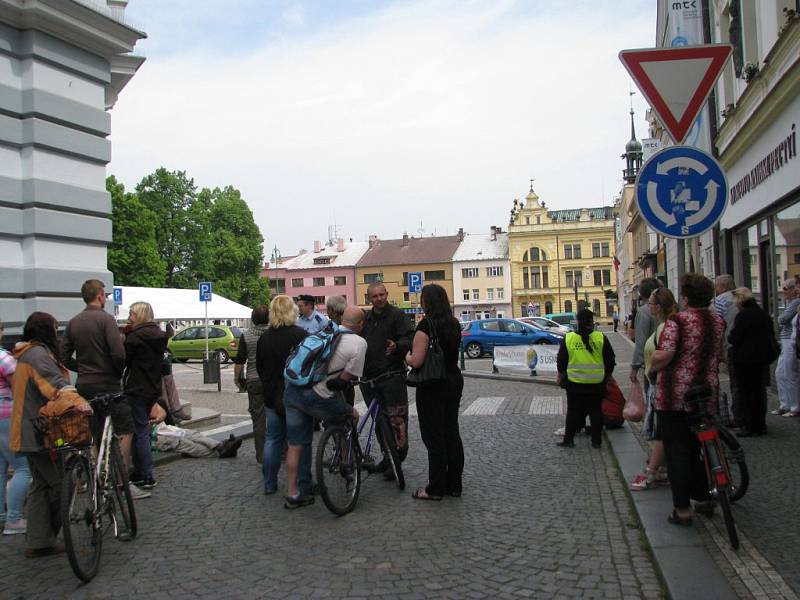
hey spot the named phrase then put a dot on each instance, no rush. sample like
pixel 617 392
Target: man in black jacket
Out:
pixel 388 332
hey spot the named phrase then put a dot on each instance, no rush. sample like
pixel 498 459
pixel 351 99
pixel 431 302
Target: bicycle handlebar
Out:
pixel 377 378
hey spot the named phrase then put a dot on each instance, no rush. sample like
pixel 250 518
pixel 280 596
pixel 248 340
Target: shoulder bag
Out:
pixel 432 371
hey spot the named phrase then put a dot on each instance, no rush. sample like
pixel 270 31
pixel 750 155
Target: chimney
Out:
pixel 317 246
pixel 460 234
pixel 340 245
pixel 373 241
pixel 494 232
pixel 405 239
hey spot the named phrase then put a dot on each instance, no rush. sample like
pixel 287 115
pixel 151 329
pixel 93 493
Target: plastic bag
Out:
pixel 634 405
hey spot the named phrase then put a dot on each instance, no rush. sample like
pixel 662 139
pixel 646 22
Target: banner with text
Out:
pixel 541 358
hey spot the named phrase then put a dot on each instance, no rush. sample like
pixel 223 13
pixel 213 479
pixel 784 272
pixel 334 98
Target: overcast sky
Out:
pixel 383 117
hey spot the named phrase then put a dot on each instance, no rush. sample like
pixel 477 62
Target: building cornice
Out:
pixel 74 23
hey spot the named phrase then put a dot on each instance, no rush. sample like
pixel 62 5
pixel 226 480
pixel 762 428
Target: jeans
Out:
pixel 255 406
pixel 273 449
pixel 303 405
pixel 787 376
pixel 18 488
pixel 142 458
pixel 687 474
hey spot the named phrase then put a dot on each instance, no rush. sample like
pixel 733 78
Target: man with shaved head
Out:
pixel 321 401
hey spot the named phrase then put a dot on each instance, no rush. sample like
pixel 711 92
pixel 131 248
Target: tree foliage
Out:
pixel 194 236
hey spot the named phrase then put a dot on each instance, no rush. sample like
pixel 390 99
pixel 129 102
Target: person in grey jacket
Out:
pixel 644 325
pixel 246 360
pixel 787 372
pixel 726 306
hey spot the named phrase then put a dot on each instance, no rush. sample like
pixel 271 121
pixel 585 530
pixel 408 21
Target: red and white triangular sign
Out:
pixel 677 81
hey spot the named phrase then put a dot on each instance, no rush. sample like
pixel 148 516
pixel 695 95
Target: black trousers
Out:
pixel 578 406
pixel 687 475
pixel 437 408
pixel 751 381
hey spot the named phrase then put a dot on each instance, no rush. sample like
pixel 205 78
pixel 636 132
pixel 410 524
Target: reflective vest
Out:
pixel 585 365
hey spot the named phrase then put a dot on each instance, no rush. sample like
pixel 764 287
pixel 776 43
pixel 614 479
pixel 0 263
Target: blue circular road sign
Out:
pixel 681 192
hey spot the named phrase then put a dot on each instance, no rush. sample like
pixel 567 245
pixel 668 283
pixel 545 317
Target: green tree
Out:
pixel 170 196
pixel 133 254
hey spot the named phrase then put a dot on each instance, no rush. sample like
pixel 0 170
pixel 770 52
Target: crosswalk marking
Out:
pixel 412 410
pixel 547 405
pixel 361 407
pixel 485 406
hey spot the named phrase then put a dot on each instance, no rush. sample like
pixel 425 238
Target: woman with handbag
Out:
pixel 687 361
pixel 434 361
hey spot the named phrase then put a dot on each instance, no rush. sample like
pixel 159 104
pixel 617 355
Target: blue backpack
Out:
pixel 307 363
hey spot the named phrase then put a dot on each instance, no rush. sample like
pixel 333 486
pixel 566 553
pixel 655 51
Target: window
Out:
pixel 501 293
pixel 322 260
pixel 278 286
pixel 604 250
pixel 297 282
pixel 538 219
pixel 490 325
pixel 572 251
pixel 319 281
pixel 464 317
pixel 596 250
pixel 513 326
pixel 535 278
pixel 216 332
pixel 469 272
pixel 574 278
pixel 490 293
pixel 596 307
pixel 606 276
pixel 568 306
pixel 527 220
pixel 476 294
pixel 598 277
pixel 405 278
pixel 373 278
pixel 406 297
pixel 466 294
pixel 494 271
pixel 548 307
pixel 319 300
pixel 532 255
pixel 609 308
pixel 434 275
pixel 340 280
pixel 500 314
pixel 797 258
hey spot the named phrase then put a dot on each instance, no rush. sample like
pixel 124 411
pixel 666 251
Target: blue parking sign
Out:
pixel 415 282
pixel 681 192
pixel 117 296
pixel 205 291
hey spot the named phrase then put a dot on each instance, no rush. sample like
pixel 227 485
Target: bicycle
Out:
pixel 93 493
pixel 341 456
pixel 740 476
pixel 708 431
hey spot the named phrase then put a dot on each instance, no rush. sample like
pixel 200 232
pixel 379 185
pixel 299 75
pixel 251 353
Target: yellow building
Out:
pixel 561 260
pixel 390 261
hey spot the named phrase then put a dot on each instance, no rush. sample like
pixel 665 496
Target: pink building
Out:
pixel 330 270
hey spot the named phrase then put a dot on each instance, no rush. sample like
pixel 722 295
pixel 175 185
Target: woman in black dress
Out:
pixel 438 404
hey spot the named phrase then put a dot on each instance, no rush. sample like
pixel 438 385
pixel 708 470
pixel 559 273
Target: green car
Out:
pixel 191 342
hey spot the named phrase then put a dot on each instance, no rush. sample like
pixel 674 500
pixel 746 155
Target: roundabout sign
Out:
pixel 681 192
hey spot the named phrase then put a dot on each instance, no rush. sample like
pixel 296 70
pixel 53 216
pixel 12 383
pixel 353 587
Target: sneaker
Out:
pixel 641 482
pixel 791 413
pixel 299 501
pixel 138 493
pixel 15 527
pixel 147 483
pixel 780 411
pixel 559 432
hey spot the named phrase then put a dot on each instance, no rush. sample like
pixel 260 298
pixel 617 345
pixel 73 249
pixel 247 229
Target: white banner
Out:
pixel 541 358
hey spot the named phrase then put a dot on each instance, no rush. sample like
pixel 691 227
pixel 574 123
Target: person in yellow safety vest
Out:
pixel 585 362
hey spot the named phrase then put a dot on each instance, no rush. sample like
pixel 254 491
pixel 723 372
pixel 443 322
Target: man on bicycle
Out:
pixel 388 332
pixel 304 404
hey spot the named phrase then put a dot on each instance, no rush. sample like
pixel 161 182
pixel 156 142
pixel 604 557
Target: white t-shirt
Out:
pixel 349 356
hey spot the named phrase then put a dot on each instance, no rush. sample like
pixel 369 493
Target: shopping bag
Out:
pixel 634 405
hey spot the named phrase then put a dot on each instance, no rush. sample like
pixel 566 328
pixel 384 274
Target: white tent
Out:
pixel 181 305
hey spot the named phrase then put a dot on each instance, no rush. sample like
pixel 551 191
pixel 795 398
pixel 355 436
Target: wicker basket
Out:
pixel 73 428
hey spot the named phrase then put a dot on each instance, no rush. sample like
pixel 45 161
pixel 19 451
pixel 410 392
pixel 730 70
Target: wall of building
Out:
pixel 483 283
pixel 395 286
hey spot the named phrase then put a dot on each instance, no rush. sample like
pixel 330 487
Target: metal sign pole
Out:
pixel 206 305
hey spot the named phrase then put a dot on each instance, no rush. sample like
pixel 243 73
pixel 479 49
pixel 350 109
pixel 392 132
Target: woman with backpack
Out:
pixel 753 348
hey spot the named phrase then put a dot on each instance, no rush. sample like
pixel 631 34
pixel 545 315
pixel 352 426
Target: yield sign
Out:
pixel 677 81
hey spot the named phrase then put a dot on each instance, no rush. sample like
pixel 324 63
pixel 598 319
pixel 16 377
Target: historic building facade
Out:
pixel 62 65
pixel 561 260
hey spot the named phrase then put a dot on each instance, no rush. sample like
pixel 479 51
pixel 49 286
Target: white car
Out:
pixel 546 324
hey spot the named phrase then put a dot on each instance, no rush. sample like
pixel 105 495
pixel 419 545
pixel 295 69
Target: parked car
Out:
pixel 191 342
pixel 567 319
pixel 481 336
pixel 547 324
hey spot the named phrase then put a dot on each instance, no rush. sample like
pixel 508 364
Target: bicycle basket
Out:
pixel 73 428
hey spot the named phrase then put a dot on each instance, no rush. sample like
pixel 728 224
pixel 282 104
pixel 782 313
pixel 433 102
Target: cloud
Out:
pixel 431 112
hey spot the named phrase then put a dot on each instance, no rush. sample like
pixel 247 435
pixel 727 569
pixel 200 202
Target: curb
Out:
pixel 687 569
pixel 518 378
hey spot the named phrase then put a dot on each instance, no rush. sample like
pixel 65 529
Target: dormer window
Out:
pixel 323 260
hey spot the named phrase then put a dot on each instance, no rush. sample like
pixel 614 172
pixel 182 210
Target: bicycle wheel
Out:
pixel 82 535
pixel 724 502
pixel 737 467
pixel 387 441
pixel 122 504
pixel 338 475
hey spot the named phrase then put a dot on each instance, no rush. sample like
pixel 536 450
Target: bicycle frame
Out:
pixel 372 416
pixel 714 458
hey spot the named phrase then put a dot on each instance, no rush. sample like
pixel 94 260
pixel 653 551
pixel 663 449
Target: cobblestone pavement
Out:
pixel 535 521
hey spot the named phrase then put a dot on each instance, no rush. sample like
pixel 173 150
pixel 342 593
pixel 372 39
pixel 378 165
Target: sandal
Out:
pixel 421 494
pixel 676 520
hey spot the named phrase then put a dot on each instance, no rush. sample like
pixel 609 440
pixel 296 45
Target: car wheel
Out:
pixel 543 341
pixel 223 356
pixel 473 350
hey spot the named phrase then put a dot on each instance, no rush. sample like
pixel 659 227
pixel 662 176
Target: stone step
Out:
pixel 201 417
